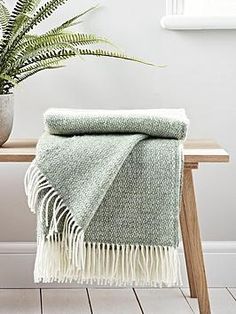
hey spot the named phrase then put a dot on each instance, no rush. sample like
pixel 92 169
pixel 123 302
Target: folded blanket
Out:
pixel 165 123
pixel 106 189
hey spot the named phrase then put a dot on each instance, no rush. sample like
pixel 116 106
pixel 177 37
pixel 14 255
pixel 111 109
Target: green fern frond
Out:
pixel 62 54
pixel 42 52
pixel 18 17
pixel 76 39
pixel 23 54
pixel 104 53
pixel 71 22
pixel 17 51
pixel 8 78
pixel 41 66
pixel 43 12
pixel 4 16
pixel 20 49
pixel 68 53
pixel 17 11
pixel 43 63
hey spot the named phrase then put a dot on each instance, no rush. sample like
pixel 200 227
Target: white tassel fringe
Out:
pixel 108 264
pixel 72 237
pixel 66 257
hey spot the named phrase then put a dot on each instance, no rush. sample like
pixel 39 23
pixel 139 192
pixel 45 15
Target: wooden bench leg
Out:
pixel 192 245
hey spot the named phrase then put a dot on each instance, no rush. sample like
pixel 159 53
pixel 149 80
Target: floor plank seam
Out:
pixel 89 301
pixel 231 293
pixel 41 300
pixel 186 299
pixel 137 299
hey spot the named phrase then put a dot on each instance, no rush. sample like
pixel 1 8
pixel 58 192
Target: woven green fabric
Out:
pixel 115 178
pixel 165 123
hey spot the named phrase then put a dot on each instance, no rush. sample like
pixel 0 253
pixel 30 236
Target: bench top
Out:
pixel 195 151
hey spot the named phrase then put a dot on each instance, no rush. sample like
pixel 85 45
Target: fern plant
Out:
pixel 23 54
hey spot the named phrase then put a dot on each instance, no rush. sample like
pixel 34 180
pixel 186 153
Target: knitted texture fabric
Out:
pixel 106 188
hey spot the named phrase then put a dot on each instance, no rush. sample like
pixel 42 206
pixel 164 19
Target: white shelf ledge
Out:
pixel 184 22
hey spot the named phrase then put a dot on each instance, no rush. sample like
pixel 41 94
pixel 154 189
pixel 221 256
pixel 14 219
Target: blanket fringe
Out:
pixel 72 236
pixel 109 264
pixel 66 257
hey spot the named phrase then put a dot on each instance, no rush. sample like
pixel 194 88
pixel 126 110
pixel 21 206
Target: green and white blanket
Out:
pixel 106 189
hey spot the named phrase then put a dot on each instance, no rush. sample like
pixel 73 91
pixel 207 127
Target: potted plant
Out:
pixel 23 54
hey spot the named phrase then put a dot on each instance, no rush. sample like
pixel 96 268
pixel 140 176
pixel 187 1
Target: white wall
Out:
pixel 200 76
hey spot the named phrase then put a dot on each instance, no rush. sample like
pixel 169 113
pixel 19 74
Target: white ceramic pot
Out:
pixel 6 116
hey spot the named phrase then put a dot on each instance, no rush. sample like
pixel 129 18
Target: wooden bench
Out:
pixel 195 152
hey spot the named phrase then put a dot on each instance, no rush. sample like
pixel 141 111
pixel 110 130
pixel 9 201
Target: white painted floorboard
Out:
pixel 221 301
pixel 65 301
pixel 20 301
pixel 165 301
pixel 114 301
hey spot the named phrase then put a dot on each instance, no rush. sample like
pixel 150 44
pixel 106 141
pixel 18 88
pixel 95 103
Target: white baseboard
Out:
pixel 17 263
